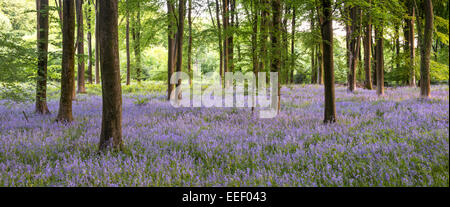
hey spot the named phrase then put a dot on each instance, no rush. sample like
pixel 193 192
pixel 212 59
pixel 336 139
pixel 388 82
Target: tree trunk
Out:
pixel 219 33
pixel 284 44
pixel 263 35
pixel 397 47
pixel 80 44
pixel 354 46
pixel 412 49
pixel 180 35
pixel 89 38
pixel 313 52
pixel 254 8
pixel 320 60
pixel 127 37
pixel 380 60
pixel 97 45
pixel 137 42
pixel 276 43
pixel 171 46
pixel 368 53
pixel 190 40
pixel 231 25
pixel 293 45
pixel 327 37
pixel 225 17
pixel 68 62
pixel 426 41
pixel 42 50
pixel 111 132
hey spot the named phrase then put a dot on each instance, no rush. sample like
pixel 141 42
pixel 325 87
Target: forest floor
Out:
pixel 394 140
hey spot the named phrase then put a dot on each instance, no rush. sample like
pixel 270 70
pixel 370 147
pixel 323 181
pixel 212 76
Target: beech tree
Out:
pixel 80 45
pixel 136 31
pixel 171 45
pixel 42 50
pixel 127 37
pixel 367 42
pixel 275 37
pixel 425 41
pixel 327 37
pixel 380 59
pixel 89 39
pixel 68 62
pixel 111 132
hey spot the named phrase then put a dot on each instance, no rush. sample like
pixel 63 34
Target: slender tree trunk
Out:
pixel 254 14
pixel 284 43
pixel 180 35
pixel 225 17
pixel 319 63
pixel 426 41
pixel 219 33
pixel 354 35
pixel 374 61
pixel 89 38
pixel 327 37
pixel 42 48
pixel 263 35
pixel 111 132
pixel 368 52
pixel 59 8
pixel 293 44
pixel 68 62
pixel 231 25
pixel 127 37
pixel 380 59
pixel 137 43
pixel 190 40
pixel 97 45
pixel 276 43
pixel 171 45
pixel 80 44
pixel 313 53
pixel 397 47
pixel 320 60
pixel 412 50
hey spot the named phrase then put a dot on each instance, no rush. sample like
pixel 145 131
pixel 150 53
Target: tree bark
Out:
pixel 219 33
pixel 380 59
pixel 231 26
pixel 368 52
pixel 80 44
pixel 171 46
pixel 412 50
pixel 180 35
pixel 68 62
pixel 42 50
pixel 426 41
pixel 89 38
pixel 127 37
pixel 354 46
pixel 263 35
pixel 313 52
pixel 225 17
pixel 327 37
pixel 320 61
pixel 111 132
pixel 190 40
pixel 293 45
pixel 276 43
pixel 137 42
pixel 97 45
